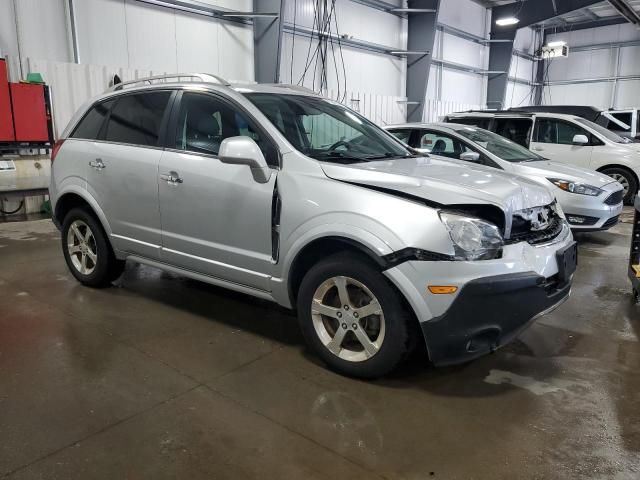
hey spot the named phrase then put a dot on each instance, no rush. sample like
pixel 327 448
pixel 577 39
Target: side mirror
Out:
pixel 580 140
pixel 470 157
pixel 245 151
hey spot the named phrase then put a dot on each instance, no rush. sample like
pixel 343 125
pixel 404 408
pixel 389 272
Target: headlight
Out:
pixel 473 238
pixel 573 187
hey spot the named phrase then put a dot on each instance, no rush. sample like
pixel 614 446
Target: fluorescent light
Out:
pixel 503 22
pixel 556 43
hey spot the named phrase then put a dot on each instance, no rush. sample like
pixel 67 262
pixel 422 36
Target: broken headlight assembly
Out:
pixel 473 238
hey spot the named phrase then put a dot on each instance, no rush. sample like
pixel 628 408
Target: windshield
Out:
pixel 608 134
pixel 327 131
pixel 499 146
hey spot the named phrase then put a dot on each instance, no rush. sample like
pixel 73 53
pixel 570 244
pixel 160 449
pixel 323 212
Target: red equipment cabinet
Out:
pixel 30 117
pixel 6 118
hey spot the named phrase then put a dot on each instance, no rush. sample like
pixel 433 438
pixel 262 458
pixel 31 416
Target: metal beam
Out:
pixel 267 41
pixel 420 37
pixel 627 11
pixel 573 26
pixel 500 55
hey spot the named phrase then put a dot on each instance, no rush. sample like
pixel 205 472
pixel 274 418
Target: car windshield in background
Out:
pixel 327 131
pixel 608 134
pixel 499 146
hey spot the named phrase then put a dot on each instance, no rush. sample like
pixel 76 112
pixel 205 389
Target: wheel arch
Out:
pixel 320 248
pixel 75 198
pixel 621 167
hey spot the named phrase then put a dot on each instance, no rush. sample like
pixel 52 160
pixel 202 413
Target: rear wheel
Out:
pixel 87 251
pixel 353 318
pixel 627 180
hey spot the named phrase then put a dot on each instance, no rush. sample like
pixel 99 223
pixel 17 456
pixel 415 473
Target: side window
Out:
pixel 205 121
pixel 625 117
pixel 549 130
pixel 480 122
pixel 402 135
pixel 135 119
pixel 440 144
pixel 515 129
pixel 89 127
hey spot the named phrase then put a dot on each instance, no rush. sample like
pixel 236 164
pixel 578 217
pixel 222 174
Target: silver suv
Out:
pixel 287 196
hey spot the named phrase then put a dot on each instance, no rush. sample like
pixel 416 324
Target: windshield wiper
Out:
pixel 390 155
pixel 339 157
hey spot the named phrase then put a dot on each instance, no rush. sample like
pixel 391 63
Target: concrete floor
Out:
pixel 162 377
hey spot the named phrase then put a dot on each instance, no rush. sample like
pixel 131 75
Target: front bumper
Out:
pixel 535 267
pixel 589 214
pixel 488 313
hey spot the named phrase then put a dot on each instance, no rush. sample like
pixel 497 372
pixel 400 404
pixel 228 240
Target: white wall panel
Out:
pixel 525 40
pixel 628 94
pixel 365 23
pixel 197 43
pixel 591 36
pixel 522 68
pixel 151 36
pixel 43 29
pixel 8 39
pixel 518 95
pixel 464 15
pixel 102 33
pixel 597 94
pixel 630 61
pixel 582 64
pixel 459 50
pixel 235 52
pixel 462 87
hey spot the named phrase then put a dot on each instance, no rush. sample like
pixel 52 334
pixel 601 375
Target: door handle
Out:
pixel 171 178
pixel 97 164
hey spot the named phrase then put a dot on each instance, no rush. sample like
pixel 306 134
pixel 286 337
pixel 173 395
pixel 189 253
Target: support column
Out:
pixel 421 36
pixel 500 54
pixel 267 41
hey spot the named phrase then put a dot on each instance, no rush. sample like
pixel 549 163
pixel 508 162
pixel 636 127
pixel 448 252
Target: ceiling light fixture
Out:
pixel 503 22
pixel 556 43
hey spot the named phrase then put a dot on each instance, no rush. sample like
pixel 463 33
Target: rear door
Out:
pixel 123 169
pixel 216 219
pixel 553 139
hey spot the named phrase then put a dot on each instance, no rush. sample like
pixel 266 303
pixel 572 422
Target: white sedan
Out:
pixel 591 200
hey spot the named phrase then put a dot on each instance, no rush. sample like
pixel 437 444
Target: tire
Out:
pixel 389 332
pixel 90 260
pixel 627 179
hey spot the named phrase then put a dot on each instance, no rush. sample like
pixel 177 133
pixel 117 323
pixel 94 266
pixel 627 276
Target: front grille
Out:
pixel 611 222
pixel 535 237
pixel 615 198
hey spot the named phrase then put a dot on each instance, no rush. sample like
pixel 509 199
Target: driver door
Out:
pixel 216 219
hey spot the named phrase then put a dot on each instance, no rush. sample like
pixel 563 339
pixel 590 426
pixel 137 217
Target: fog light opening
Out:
pixel 575 219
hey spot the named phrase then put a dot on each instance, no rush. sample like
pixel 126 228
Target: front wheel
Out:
pixel 353 318
pixel 87 251
pixel 627 180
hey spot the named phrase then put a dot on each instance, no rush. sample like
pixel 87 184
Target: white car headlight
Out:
pixel 575 187
pixel 473 238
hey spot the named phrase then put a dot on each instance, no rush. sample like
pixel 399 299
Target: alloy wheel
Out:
pixel 348 319
pixel 622 180
pixel 81 246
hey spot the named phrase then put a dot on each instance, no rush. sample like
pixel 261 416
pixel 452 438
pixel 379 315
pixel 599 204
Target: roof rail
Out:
pixel 299 88
pixel 193 77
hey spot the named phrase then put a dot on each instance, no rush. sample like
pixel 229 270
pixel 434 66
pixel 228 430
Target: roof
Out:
pixel 510 114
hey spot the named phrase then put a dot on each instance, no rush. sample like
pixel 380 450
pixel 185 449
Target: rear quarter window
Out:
pixel 89 126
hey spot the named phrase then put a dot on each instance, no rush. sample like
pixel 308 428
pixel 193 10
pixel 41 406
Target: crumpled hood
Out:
pixel 439 180
pixel 562 171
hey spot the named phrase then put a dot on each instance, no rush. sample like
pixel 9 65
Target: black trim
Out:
pixel 414 254
pixel 396 193
pixel 488 313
